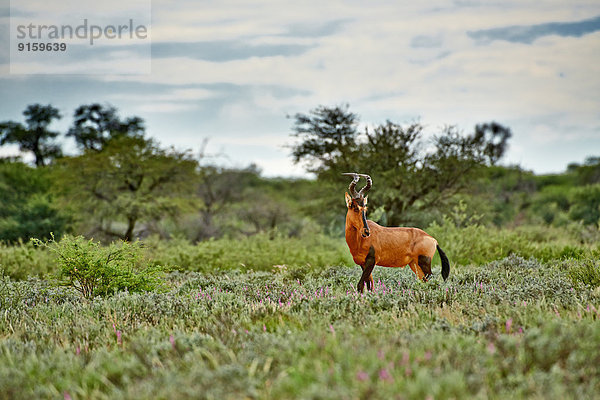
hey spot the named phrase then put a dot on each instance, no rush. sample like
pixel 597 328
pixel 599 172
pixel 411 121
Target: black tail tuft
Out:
pixel 445 263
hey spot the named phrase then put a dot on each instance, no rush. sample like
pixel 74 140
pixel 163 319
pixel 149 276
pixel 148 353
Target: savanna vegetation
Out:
pixel 130 270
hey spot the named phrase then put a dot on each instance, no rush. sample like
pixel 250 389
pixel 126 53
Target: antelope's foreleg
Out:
pixel 367 269
pixel 368 281
pixel 361 282
pixel 370 285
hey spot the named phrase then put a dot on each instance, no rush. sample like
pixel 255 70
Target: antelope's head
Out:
pixel 357 201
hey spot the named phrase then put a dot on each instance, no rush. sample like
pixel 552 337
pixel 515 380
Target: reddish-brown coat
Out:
pixel 393 247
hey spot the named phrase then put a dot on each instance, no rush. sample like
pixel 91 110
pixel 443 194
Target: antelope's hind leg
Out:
pixel 367 270
pixel 425 266
pixel 418 271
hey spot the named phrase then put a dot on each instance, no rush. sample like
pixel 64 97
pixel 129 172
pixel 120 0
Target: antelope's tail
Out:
pixel 445 263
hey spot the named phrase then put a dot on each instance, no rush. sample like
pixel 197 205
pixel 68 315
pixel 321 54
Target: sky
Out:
pixel 231 73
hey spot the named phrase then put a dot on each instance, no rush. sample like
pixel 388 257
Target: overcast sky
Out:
pixel 230 72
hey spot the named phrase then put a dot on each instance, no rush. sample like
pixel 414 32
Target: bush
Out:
pixel 28 209
pixel 21 260
pixel 586 205
pixel 94 270
pixel 586 272
pixel 467 242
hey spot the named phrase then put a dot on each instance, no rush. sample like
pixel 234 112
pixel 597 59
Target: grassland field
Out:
pixel 279 318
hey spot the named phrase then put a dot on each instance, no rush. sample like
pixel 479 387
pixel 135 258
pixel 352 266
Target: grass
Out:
pixel 510 328
pixel 473 244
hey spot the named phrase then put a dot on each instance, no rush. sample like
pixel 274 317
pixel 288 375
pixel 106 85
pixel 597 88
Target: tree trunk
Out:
pixel 130 227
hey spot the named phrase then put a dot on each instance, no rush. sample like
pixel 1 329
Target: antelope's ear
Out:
pixel 366 199
pixel 348 200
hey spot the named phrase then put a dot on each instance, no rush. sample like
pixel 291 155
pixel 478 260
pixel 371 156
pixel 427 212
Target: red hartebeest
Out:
pixel 372 244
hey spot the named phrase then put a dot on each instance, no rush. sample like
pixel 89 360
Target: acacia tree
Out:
pixel 131 180
pixel 328 138
pixel 34 136
pixel 94 125
pixel 412 174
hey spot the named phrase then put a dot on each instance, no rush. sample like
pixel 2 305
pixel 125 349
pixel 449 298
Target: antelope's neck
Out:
pixel 353 225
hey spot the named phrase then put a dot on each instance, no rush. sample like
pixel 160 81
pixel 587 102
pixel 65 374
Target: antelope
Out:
pixel 372 244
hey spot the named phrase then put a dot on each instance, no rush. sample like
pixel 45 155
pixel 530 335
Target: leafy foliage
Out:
pixel 586 272
pixel 327 135
pixel 95 125
pixel 561 204
pixel 586 205
pixel 587 173
pixel 218 189
pixel 410 180
pixel 261 252
pixel 467 242
pixel 93 269
pixel 27 207
pixel 35 136
pixel 21 260
pixel 132 180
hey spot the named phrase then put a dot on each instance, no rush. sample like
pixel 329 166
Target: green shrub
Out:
pixel 21 260
pixel 94 269
pixel 27 207
pixel 467 242
pixel 586 272
pixel 586 205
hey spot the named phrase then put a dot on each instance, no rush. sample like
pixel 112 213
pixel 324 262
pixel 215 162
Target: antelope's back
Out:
pixel 398 246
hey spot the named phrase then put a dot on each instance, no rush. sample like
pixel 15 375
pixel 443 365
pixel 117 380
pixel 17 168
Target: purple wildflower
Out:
pixel 508 325
pixel 384 375
pixel 362 376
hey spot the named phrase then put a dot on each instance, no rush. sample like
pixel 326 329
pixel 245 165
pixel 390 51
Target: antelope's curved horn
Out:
pixel 355 179
pixel 367 187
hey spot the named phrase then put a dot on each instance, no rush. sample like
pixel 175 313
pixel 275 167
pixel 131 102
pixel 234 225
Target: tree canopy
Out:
pixel 131 180
pixel 412 174
pixel 123 184
pixel 94 125
pixel 34 136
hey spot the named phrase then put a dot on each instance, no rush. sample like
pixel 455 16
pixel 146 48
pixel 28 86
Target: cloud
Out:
pixel 315 29
pixel 232 71
pixel 528 34
pixel 426 41
pixel 226 50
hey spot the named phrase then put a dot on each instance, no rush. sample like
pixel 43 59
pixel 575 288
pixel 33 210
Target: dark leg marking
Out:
pixel 360 282
pixel 425 264
pixel 369 280
pixel 367 269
